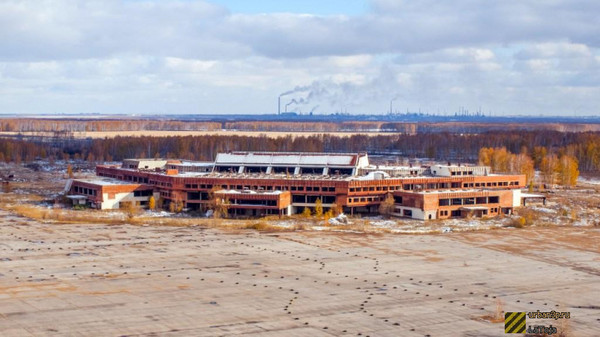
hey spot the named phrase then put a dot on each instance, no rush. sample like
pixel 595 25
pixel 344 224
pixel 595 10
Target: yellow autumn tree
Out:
pixel 70 171
pixel 219 205
pixel 485 156
pixel 522 164
pixel 318 208
pixel 306 212
pixel 549 169
pixel 387 205
pixel 329 214
pixel 500 160
pixel 497 158
pixel 538 154
pixel 152 203
pixel 336 209
pixel 568 171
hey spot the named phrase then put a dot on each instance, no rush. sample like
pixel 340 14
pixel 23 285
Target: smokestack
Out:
pixel 279 105
pixel 392 104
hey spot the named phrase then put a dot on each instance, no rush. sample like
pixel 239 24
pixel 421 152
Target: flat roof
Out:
pixel 283 176
pixel 392 167
pixel 529 195
pixel 193 163
pixel 106 181
pixel 453 191
pixel 249 192
pixel 191 174
pixel 287 158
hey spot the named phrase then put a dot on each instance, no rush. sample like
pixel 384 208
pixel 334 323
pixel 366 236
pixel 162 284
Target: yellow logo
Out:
pixel 514 322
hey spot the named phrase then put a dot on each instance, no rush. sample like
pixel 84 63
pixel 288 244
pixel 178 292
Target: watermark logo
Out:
pixel 514 322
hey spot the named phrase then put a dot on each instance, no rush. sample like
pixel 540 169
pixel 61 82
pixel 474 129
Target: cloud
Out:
pixel 195 29
pixel 62 29
pixel 554 50
pixel 195 56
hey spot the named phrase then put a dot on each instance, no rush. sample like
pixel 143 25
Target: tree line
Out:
pixel 52 125
pixel 536 145
pixel 106 125
pixel 555 168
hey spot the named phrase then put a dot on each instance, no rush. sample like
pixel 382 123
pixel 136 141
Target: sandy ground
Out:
pixel 99 280
pixel 270 134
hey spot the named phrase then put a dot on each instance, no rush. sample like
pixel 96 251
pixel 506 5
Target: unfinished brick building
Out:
pixel 106 193
pixel 262 183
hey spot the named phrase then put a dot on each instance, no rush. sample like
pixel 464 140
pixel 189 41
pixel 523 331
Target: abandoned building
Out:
pixel 263 183
pixel 107 193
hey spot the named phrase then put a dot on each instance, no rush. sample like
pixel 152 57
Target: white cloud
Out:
pixel 191 66
pixel 554 50
pixel 194 56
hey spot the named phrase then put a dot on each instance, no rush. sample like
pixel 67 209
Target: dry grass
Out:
pixel 498 315
pixel 60 215
pixel 90 216
pixel 527 217
pixel 265 227
pixel 357 225
pixel 564 328
pixel 27 202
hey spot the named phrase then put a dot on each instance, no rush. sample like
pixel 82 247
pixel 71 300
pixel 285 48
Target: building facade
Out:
pixel 261 183
pixel 107 193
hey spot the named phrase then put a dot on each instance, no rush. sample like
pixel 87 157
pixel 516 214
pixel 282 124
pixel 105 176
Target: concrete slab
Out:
pixel 65 280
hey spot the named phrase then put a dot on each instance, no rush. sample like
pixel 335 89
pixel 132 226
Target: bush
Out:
pixel 336 209
pixel 262 226
pixel 318 208
pixel 299 227
pixel 388 205
pixel 527 217
pixel 520 222
pixel 306 213
pixel 151 203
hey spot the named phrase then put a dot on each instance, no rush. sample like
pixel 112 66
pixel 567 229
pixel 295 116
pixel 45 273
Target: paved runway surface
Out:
pixel 98 280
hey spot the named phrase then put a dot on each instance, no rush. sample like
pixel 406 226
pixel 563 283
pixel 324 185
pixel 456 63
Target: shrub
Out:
pixel 263 226
pixel 336 209
pixel 299 227
pixel 388 205
pixel 152 203
pixel 318 208
pixel 527 217
pixel 520 222
pixel 306 212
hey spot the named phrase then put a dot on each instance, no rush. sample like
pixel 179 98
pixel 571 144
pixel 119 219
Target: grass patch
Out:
pixel 498 315
pixel 526 217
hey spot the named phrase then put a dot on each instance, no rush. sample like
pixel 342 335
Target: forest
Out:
pixel 65 126
pixel 583 148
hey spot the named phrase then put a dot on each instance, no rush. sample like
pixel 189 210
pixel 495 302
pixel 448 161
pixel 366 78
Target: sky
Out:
pixel 526 57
